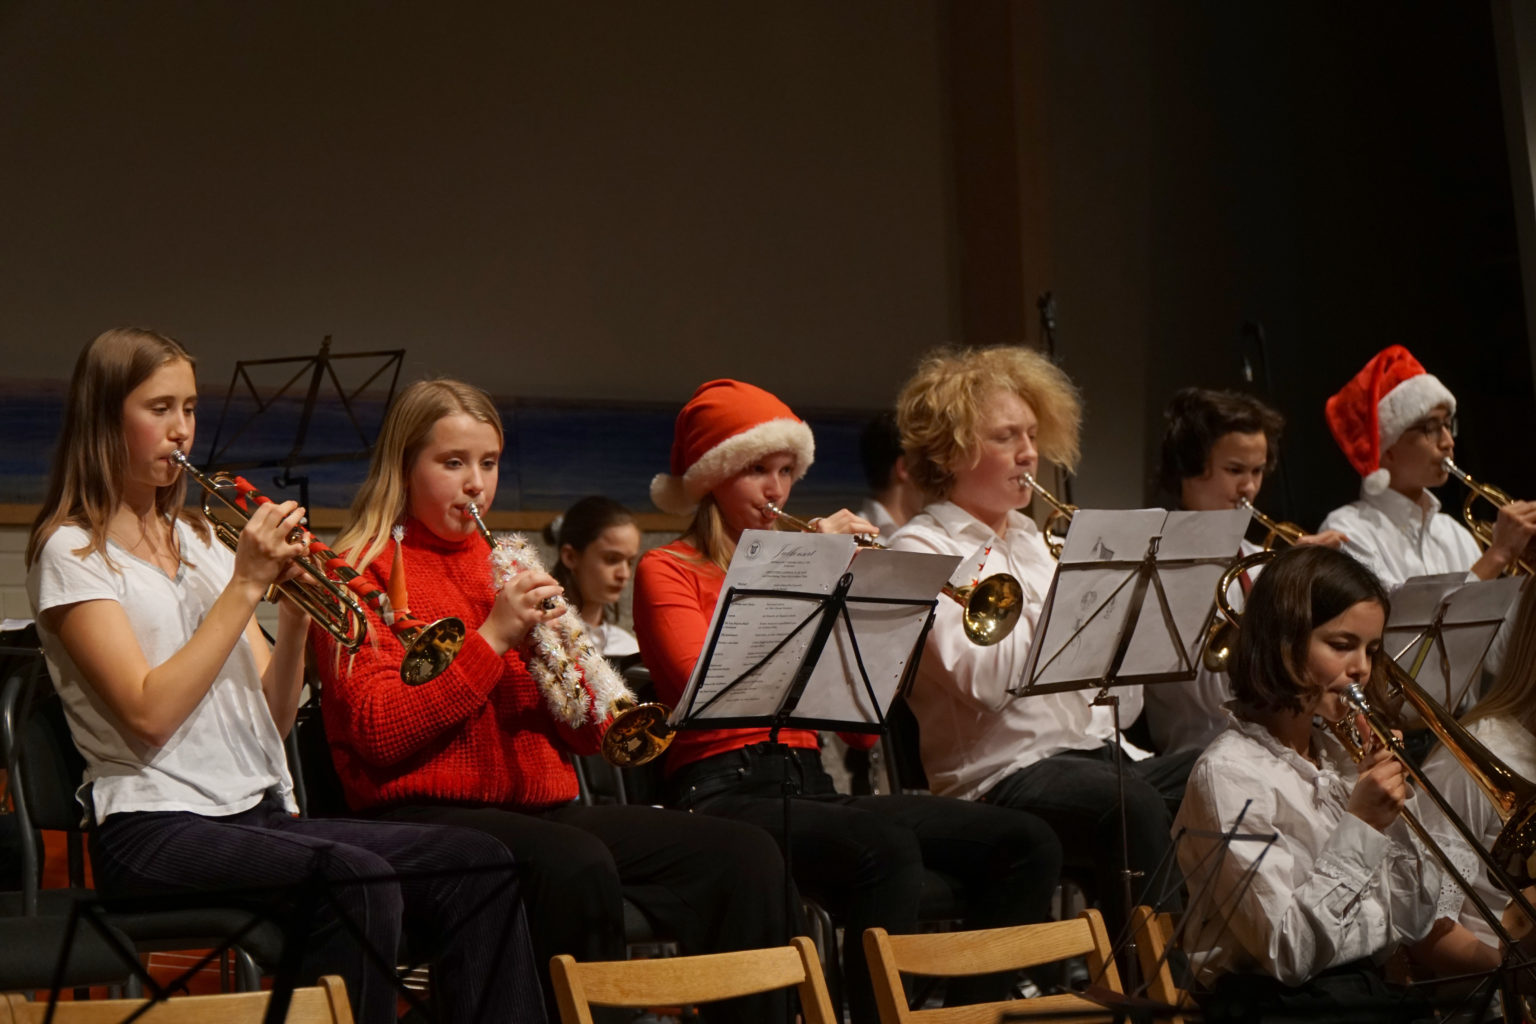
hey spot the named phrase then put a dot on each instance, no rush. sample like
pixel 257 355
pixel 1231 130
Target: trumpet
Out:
pixel 1482 529
pixel 989 608
pixel 1056 524
pixel 323 598
pixel 638 732
pixel 1288 533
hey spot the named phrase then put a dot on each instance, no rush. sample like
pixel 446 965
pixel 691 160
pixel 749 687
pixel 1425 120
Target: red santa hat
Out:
pixel 1370 413
pixel 725 426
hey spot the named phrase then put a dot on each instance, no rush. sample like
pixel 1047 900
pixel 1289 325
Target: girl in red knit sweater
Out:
pixel 480 745
pixel 735 449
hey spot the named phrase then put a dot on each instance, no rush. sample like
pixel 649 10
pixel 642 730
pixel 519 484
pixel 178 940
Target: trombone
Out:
pixel 1482 529
pixel 989 609
pixel 1055 526
pixel 638 732
pixel 323 599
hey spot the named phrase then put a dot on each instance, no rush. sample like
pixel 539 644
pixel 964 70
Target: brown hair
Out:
pixel 381 500
pixel 1196 418
pixel 939 410
pixel 91 460
pixel 1299 590
pixel 579 526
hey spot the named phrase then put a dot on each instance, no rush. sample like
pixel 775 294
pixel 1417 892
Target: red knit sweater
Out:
pixel 477 734
pixel 675 596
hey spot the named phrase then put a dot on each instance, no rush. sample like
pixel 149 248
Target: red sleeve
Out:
pixel 671 621
pixel 368 707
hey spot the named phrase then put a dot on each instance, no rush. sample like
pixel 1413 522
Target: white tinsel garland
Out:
pixel 559 654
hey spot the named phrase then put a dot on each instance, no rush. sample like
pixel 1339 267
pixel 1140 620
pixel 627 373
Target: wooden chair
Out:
pixel 1154 934
pixel 689 980
pixel 325 1003
pixel 964 954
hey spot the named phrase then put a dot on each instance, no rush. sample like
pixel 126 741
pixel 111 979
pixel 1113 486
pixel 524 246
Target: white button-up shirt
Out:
pixel 1399 538
pixel 1330 889
pixel 974 732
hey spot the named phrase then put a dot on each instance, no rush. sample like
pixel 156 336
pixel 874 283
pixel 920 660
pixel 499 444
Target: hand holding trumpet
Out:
pixel 524 601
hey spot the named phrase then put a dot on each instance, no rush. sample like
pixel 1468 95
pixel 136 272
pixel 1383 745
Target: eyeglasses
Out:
pixel 1431 428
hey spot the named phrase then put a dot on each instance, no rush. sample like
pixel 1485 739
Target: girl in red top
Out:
pixel 735 449
pixel 486 746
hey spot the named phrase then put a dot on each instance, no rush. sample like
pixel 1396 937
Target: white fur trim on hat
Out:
pixel 680 495
pixel 1408 403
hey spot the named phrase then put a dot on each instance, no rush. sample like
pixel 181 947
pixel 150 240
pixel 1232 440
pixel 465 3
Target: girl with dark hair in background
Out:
pixel 596 546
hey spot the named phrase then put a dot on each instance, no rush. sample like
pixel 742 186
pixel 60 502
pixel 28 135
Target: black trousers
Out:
pixel 471 919
pixel 864 857
pixel 1078 793
pixel 1352 993
pixel 712 885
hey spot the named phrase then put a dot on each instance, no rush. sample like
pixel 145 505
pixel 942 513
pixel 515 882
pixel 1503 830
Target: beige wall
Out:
pixel 595 201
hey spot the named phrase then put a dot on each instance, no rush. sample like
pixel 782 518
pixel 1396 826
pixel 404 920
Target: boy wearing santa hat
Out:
pixel 1396 423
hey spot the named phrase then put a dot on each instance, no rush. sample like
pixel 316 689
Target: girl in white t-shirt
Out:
pixel 179 706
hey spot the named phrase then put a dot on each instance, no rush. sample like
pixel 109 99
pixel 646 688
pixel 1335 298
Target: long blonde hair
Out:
pixel 91 460
pixel 381 501
pixel 1513 694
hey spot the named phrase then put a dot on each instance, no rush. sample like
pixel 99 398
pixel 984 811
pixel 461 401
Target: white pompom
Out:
pixel 1375 483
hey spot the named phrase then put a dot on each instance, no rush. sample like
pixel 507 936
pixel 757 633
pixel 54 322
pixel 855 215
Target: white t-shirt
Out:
pixel 613 641
pixel 228 752
pixel 974 732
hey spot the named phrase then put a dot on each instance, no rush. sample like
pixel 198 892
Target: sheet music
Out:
pixel 764 560
pixel 1095 585
pixel 887 634
pixel 1469 616
pixel 1191 591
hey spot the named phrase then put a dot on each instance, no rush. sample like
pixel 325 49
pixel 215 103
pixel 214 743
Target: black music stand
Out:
pixel 311 372
pixel 1129 604
pixel 798 638
pixel 1441 629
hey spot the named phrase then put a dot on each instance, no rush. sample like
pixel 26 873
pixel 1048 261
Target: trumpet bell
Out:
pixel 1219 642
pixel 638 734
pixel 990 609
pixel 431 651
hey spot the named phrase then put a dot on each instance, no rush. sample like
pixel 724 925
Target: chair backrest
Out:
pixel 690 980
pixel 1154 935
pixel 309 759
pixel 989 951
pixel 323 1003
pixel 45 766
